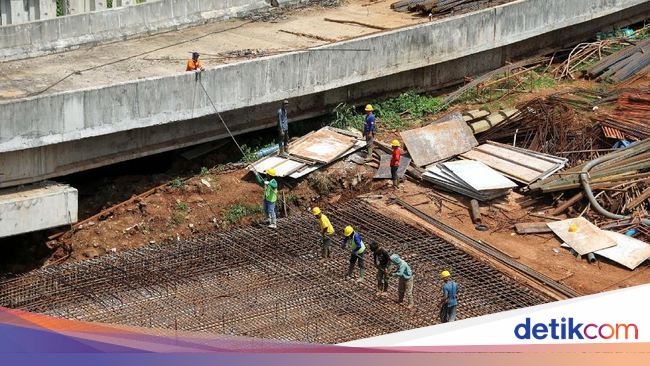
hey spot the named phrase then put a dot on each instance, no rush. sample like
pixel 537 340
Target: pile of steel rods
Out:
pixel 251 281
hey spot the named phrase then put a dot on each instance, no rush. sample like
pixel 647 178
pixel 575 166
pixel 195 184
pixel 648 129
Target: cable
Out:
pixel 232 136
pixel 134 56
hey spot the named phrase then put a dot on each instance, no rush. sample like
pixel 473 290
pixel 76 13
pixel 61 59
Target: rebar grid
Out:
pixel 253 281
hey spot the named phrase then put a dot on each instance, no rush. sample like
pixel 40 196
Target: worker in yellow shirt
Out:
pixel 327 231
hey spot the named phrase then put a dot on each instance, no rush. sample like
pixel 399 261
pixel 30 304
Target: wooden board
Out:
pixel 629 252
pixel 587 239
pixel 532 228
pixel 322 146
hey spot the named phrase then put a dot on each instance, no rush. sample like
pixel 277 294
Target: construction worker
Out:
pixel 283 128
pixel 369 130
pixel 357 254
pixel 194 63
pixel 270 197
pixel 381 258
pixel 405 275
pixel 450 298
pixel 327 231
pixel 394 163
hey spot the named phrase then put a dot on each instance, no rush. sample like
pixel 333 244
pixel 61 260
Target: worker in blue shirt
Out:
pixel 405 286
pixel 283 128
pixel 450 298
pixel 357 247
pixel 369 130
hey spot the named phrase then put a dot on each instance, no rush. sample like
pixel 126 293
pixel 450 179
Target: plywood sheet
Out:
pixel 629 252
pixel 587 239
pixel 322 146
pixel 439 141
pixel 522 165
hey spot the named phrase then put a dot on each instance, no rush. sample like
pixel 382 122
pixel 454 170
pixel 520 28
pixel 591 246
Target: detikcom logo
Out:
pixel 569 330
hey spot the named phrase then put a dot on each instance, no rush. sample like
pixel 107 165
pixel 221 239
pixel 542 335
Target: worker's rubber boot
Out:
pixel 397 183
pixel 385 290
pixel 410 305
pixel 323 256
pixel 350 269
pixel 274 223
pixel 286 150
pixel 361 271
pixel 267 219
pixel 369 156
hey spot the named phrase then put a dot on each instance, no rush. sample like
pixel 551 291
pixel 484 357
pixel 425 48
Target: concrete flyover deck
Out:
pixel 73 127
pixel 43 206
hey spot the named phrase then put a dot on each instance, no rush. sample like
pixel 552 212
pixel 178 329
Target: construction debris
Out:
pixel 426 7
pixel 471 178
pixel 622 64
pixel 384 167
pixel 581 235
pixel 505 70
pixel 438 141
pixel 628 251
pixel 311 152
pixel 481 120
pixel 518 164
pixel 532 228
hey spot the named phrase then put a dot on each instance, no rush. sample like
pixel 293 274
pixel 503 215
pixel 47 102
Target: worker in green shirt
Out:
pixel 270 197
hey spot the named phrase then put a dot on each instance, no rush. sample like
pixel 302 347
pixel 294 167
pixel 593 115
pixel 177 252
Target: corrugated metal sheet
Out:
pixel 439 141
pixel 518 164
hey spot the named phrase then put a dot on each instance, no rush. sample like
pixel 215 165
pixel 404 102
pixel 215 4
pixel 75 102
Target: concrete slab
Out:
pixel 37 207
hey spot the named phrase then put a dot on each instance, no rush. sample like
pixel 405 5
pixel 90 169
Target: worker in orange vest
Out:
pixel 194 63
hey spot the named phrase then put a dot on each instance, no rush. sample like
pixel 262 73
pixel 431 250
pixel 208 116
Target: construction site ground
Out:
pixel 180 208
pixel 221 42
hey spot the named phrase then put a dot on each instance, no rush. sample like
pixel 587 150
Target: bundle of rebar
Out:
pixel 252 281
pixel 487 76
pixel 622 64
pixel 631 118
pixel 436 7
pixel 542 125
pixel 581 54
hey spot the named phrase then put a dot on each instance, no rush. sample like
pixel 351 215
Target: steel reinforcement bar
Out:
pixel 254 281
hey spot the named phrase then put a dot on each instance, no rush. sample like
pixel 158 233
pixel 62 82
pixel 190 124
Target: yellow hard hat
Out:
pixel 271 172
pixel 316 210
pixel 395 143
pixel 445 274
pixel 573 228
pixel 348 230
pixel 369 108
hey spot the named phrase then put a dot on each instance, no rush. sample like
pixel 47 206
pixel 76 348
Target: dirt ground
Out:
pixel 205 203
pixel 541 252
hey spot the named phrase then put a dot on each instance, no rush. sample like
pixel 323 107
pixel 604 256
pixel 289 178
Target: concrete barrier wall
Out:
pixel 52 160
pixel 79 114
pixel 69 32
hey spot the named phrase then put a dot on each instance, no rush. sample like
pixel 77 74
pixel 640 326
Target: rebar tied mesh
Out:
pixel 259 282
